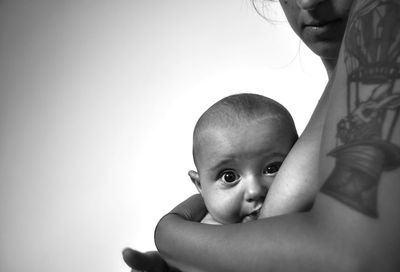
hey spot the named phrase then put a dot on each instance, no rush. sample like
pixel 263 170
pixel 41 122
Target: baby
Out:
pixel 239 143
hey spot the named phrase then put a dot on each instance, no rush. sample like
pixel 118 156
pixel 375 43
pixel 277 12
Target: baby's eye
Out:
pixel 272 168
pixel 229 176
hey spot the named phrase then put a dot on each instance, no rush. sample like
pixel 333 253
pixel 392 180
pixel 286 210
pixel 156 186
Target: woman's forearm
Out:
pixel 284 243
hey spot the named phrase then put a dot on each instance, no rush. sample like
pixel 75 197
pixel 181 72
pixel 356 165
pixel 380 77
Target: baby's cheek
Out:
pixel 227 208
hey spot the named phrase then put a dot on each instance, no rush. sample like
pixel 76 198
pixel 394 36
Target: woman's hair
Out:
pixel 265 9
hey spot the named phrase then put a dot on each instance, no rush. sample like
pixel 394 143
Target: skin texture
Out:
pixel 345 230
pixel 237 164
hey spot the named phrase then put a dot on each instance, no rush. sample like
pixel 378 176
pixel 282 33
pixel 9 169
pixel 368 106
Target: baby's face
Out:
pixel 237 166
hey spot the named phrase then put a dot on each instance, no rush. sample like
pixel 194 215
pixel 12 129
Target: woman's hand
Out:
pixel 150 261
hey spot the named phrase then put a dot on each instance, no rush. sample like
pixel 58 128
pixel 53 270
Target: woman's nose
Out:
pixel 308 4
pixel 256 189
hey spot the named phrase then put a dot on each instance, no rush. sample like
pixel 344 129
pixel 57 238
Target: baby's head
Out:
pixel 239 143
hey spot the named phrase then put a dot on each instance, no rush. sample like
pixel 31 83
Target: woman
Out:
pixel 346 162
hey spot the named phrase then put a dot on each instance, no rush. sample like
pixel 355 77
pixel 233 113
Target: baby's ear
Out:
pixel 194 176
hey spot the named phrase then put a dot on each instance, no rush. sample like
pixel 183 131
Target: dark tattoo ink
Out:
pixel 364 148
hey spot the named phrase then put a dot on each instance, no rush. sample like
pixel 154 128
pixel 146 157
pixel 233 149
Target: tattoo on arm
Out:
pixel 364 140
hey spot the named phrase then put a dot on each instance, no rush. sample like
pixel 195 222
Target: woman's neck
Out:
pixel 330 65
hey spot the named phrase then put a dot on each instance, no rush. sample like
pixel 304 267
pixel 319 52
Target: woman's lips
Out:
pixel 321 29
pixel 320 24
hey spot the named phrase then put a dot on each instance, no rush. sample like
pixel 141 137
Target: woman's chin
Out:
pixel 327 51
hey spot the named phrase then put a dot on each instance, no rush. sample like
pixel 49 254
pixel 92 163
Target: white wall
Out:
pixel 98 100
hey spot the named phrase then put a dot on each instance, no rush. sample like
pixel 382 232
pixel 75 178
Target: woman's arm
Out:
pixel 354 223
pixel 238 248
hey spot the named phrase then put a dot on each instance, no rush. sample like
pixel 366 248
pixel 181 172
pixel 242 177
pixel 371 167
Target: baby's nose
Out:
pixel 256 189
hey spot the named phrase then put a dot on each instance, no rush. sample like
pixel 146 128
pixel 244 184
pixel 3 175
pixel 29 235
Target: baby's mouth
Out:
pixel 252 216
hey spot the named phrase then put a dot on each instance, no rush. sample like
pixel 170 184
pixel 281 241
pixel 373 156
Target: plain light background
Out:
pixel 98 100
